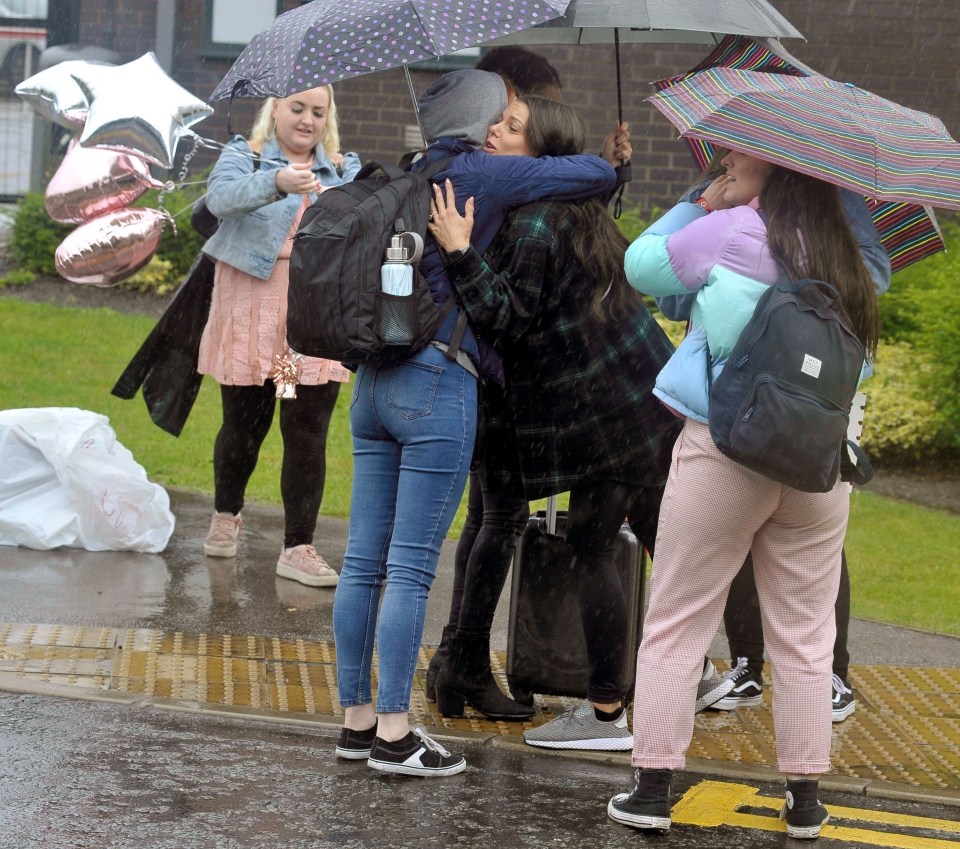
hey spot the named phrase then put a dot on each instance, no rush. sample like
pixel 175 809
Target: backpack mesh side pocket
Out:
pixel 397 320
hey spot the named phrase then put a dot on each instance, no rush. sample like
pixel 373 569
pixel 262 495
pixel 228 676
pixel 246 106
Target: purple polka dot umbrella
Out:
pixel 325 41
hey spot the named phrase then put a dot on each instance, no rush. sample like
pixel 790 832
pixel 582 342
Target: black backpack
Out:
pixel 781 404
pixel 335 306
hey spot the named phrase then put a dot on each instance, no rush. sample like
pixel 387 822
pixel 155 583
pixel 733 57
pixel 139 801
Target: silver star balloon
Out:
pixel 136 108
pixel 54 93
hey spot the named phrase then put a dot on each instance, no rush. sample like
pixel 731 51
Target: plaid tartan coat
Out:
pixel 579 387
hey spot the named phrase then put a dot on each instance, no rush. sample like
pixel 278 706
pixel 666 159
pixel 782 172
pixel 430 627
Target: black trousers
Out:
pixel 741 619
pixel 304 421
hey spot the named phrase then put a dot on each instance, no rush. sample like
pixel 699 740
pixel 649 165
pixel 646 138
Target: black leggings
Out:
pixel 741 619
pixel 247 416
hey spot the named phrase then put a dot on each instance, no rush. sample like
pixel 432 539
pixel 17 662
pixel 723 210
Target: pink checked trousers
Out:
pixel 714 511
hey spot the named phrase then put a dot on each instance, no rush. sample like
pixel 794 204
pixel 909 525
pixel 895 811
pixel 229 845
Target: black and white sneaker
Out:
pixel 355 745
pixel 415 754
pixel 844 702
pixel 747 690
pixel 712 687
pixel 647 806
pixel 802 810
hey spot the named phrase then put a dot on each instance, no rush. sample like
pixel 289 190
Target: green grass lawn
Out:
pixel 903 564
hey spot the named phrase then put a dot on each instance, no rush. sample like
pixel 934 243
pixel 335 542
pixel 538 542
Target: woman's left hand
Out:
pixel 616 146
pixel 451 229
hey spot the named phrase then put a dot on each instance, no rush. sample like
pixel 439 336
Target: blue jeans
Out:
pixel 413 426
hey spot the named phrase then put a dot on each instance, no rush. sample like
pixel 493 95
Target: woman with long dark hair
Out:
pixel 580 354
pixel 714 510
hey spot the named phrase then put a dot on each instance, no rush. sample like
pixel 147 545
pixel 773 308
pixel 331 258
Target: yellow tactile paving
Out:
pixel 906 728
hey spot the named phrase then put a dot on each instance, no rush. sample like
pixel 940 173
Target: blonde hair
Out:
pixel 265 127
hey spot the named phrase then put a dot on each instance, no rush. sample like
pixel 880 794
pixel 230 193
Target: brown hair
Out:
pixel 554 129
pixel 809 236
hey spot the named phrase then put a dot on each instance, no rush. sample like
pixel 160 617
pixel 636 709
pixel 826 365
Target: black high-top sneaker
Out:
pixel 802 810
pixel 648 806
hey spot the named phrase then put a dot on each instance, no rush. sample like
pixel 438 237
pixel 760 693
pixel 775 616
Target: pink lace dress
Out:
pixel 247 327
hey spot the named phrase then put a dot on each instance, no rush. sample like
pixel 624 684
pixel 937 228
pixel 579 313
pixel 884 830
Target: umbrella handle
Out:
pixel 624 176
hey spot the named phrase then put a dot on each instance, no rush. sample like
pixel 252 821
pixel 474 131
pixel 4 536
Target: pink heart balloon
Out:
pixel 92 182
pixel 112 247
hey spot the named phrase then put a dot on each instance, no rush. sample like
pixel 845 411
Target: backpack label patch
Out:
pixel 811 366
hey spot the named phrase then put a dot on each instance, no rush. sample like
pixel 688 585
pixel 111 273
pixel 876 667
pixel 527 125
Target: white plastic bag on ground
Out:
pixel 65 479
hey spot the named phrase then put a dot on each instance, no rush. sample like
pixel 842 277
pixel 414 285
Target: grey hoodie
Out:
pixel 462 105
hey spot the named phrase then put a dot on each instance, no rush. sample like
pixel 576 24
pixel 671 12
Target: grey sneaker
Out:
pixel 712 687
pixel 579 728
pixel 222 537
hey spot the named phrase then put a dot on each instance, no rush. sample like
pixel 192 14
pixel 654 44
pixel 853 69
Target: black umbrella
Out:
pixel 654 21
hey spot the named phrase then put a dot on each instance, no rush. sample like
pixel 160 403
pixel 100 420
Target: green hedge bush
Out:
pixel 35 236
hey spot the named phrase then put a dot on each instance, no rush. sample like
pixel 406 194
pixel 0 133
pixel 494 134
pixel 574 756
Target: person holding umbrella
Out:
pixel 741 614
pixel 580 355
pixel 714 511
pixel 496 511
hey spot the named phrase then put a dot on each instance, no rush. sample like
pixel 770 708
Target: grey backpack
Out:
pixel 781 404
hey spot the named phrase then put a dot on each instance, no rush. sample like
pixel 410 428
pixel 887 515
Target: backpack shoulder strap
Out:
pixel 435 167
pixel 371 168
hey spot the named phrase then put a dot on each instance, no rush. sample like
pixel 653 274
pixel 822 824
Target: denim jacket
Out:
pixel 254 217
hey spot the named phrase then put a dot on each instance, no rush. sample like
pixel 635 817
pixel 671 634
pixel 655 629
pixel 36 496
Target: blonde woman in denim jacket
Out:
pixel 259 189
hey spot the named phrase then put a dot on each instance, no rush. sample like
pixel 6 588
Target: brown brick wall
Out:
pixel 902 49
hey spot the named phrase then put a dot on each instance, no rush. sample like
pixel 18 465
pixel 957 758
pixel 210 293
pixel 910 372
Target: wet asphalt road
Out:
pixel 83 774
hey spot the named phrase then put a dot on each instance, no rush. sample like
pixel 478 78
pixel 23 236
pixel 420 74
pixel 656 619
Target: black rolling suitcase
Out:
pixel 546 649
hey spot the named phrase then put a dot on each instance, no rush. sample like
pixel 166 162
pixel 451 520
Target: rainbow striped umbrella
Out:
pixel 830 130
pixel 909 231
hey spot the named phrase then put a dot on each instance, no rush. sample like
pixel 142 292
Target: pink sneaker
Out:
pixel 222 537
pixel 302 563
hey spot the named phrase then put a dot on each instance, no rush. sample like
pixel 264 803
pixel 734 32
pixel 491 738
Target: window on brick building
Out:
pixel 229 24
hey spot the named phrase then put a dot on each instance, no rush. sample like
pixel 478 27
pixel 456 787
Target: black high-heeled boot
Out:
pixel 438 660
pixel 467 677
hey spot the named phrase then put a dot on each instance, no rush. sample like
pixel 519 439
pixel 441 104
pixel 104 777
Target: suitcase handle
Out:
pixel 552 515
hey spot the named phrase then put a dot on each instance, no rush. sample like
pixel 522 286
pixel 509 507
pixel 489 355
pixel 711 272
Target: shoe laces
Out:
pixel 839 686
pixel 306 559
pixel 429 743
pixel 741 670
pixel 225 527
